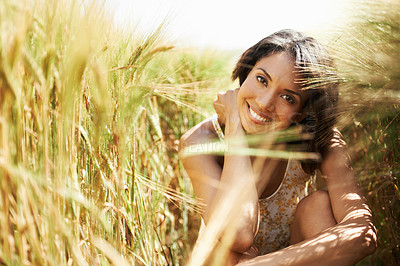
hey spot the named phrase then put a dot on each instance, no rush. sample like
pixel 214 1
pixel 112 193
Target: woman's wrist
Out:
pixel 233 125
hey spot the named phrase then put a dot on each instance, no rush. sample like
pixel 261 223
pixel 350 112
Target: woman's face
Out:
pixel 269 99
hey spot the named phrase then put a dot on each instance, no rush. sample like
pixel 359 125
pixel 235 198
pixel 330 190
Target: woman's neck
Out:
pixel 269 173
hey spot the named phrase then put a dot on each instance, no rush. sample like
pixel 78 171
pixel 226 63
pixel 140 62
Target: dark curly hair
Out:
pixel 316 76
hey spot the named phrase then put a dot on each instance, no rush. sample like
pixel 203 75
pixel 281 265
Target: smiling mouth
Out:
pixel 257 117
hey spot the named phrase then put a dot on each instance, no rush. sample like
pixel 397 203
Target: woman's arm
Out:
pixel 353 238
pixel 215 185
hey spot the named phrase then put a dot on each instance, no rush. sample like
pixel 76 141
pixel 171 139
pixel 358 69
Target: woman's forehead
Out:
pixel 282 72
pixel 280 68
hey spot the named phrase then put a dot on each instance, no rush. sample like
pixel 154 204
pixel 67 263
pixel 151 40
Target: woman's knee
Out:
pixel 313 215
pixel 313 203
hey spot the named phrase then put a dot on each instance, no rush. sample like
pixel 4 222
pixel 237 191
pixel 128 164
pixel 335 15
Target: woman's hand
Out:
pixel 226 106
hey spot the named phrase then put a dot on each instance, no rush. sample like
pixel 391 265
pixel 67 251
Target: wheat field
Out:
pixel 91 116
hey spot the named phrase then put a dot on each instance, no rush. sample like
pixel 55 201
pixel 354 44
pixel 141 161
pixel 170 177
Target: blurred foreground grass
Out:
pixel 91 115
pixel 89 122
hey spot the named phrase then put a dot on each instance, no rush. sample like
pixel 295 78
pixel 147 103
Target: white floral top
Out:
pixel 277 210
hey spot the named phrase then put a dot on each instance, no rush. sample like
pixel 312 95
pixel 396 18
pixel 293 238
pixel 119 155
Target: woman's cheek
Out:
pixel 242 93
pixel 242 97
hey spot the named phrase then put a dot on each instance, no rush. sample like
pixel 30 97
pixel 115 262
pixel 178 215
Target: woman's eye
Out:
pixel 262 80
pixel 289 98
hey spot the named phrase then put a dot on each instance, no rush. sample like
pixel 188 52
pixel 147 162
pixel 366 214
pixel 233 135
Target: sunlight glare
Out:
pixel 230 24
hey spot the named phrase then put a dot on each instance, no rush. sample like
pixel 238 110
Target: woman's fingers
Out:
pixel 226 104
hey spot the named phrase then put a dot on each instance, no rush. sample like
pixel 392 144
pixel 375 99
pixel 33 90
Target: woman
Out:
pixel 286 80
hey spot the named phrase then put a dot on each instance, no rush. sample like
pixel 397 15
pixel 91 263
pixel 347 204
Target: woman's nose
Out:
pixel 266 101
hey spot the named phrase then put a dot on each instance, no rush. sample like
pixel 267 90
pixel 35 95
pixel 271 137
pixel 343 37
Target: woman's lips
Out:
pixel 256 117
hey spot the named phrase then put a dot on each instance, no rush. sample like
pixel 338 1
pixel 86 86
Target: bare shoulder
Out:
pixel 337 141
pixel 337 159
pixel 201 133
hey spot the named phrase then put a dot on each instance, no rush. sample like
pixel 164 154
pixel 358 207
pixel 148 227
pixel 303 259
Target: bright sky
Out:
pixel 230 24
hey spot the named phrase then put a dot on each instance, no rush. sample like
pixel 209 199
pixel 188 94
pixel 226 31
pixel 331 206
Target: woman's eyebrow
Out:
pixel 294 92
pixel 266 73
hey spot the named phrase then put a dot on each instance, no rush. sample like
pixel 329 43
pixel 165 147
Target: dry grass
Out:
pixel 89 122
pixel 91 115
pixel 368 52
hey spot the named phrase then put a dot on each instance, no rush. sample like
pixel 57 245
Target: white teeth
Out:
pixel 256 116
